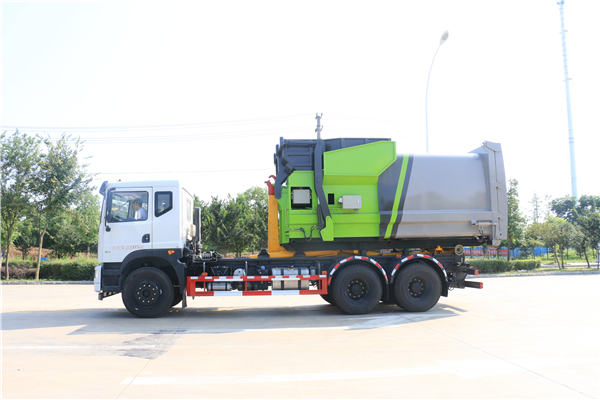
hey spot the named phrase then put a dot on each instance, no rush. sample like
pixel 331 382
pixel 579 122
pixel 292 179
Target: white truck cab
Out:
pixel 142 224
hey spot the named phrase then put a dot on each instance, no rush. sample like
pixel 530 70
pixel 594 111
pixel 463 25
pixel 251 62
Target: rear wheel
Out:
pixel 356 290
pixel 417 287
pixel 327 298
pixel 147 293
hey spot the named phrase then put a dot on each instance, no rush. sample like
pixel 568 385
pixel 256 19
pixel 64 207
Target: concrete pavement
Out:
pixel 520 337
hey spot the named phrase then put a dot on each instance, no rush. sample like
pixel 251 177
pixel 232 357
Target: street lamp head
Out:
pixel 444 38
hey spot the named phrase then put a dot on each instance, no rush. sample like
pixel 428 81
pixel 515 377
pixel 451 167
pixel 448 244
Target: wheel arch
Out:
pixel 174 269
pixel 428 260
pixel 367 262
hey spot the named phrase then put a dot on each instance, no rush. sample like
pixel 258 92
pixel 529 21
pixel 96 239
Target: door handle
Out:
pixel 146 238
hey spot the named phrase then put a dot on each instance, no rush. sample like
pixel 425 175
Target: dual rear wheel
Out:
pixel 357 288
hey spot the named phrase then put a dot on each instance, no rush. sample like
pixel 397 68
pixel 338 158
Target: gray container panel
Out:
pixel 446 183
pixel 456 196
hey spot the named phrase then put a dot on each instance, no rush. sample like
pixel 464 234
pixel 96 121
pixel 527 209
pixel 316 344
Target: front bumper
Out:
pixel 98 279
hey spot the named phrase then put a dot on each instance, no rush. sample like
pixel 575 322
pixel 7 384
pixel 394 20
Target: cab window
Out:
pixel 128 206
pixel 163 203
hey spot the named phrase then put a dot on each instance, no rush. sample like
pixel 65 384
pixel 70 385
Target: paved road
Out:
pixel 522 337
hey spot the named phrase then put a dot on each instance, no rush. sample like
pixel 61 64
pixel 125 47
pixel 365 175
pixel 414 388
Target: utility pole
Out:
pixel 442 40
pixel 319 127
pixel 561 4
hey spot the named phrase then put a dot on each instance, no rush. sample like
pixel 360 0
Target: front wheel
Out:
pixel 417 287
pixel 177 297
pixel 147 293
pixel 357 289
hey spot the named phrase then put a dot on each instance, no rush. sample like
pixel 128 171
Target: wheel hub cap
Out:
pixel 356 289
pixel 147 293
pixel 416 287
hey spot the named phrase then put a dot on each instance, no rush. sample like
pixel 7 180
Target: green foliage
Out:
pixel 565 207
pixel 86 216
pixel 583 215
pixel 256 203
pixel 61 183
pixel 26 239
pixel 236 224
pixel 60 270
pixel 490 266
pixel 20 154
pixel 500 265
pixel 516 221
pixel 527 265
pixel 40 185
pixel 64 234
pixel 69 270
pixel 536 205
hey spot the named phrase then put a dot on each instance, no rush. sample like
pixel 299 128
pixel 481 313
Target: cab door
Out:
pixel 128 226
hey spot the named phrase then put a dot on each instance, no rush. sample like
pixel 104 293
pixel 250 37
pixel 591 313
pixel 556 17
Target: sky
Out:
pixel 202 91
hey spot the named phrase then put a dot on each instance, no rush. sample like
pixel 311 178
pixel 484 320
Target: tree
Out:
pixel 219 221
pixel 565 208
pixel 516 221
pixel 583 213
pixel 86 218
pixel 256 203
pixel 549 233
pixel 589 226
pixel 20 158
pixel 65 239
pixel 26 239
pixel 59 185
pixel 565 234
pixel 536 205
pixel 531 239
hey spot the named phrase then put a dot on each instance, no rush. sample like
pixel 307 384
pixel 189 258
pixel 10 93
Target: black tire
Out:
pixel 417 287
pixel 327 298
pixel 356 289
pixel 177 297
pixel 147 293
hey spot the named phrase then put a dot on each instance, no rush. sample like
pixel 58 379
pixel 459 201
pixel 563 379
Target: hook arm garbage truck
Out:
pixel 349 219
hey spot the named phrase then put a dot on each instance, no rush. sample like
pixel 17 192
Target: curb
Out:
pixel 540 274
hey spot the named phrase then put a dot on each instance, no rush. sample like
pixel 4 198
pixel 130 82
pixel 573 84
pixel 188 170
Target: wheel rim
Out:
pixel 417 287
pixel 357 289
pixel 147 292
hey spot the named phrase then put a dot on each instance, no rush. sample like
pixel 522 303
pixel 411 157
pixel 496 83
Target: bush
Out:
pixel 497 266
pixel 490 266
pixel 68 270
pixel 527 265
pixel 61 270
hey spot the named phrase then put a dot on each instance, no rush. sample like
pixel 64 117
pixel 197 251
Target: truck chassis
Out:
pixel 354 283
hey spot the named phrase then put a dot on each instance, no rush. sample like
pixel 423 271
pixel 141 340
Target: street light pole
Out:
pixel 442 40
